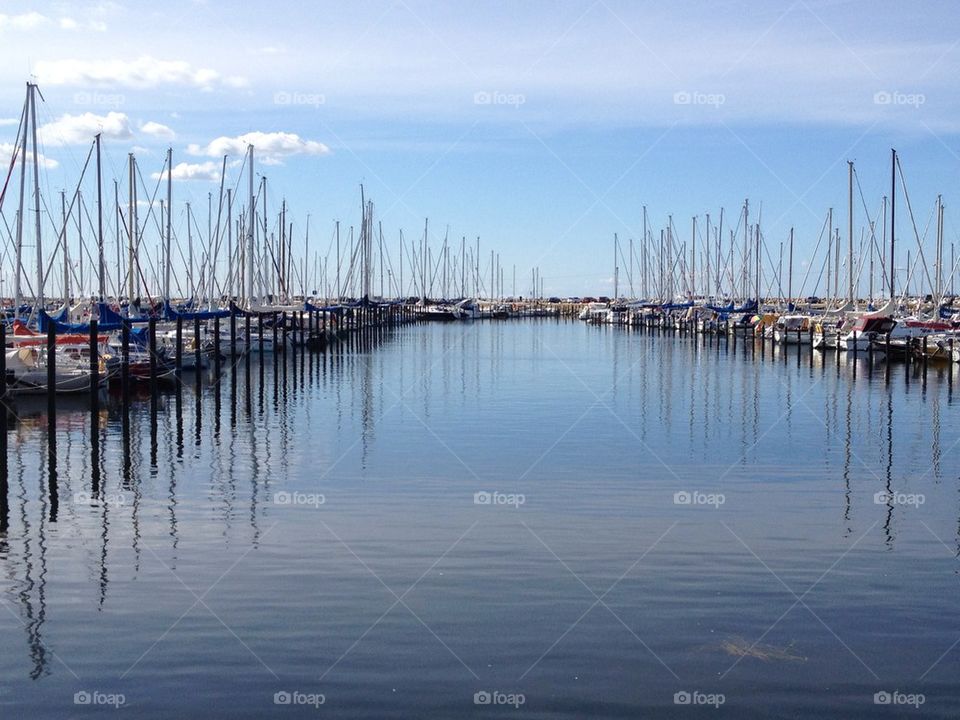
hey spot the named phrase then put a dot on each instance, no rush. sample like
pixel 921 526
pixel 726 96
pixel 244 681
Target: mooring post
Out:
pixel 125 364
pixel 94 368
pixel 247 348
pixel 216 346
pixel 178 351
pixel 152 344
pixel 233 339
pixel 51 369
pixel 197 347
pixel 274 331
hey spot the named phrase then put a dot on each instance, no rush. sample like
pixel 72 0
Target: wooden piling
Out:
pixel 51 370
pixel 94 352
pixel 178 351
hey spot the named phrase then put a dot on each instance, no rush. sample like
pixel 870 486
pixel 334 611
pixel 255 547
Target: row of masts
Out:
pixel 239 257
pixel 742 263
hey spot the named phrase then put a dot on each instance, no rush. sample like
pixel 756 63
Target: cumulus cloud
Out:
pixel 6 152
pixel 80 129
pixel 192 171
pixel 143 72
pixel 270 147
pixel 157 130
pixel 24 21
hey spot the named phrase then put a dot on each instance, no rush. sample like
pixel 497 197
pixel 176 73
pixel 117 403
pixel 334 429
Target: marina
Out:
pixel 546 360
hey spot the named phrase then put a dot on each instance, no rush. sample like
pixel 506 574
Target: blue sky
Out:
pixel 542 127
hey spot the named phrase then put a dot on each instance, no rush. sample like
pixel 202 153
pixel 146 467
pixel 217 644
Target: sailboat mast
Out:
pixel 66 257
pixel 790 272
pixel 17 279
pixel 850 292
pixel 101 265
pixel 36 198
pixel 616 268
pixel 251 224
pixel 131 228
pixel 893 216
pixel 167 254
pixel 230 244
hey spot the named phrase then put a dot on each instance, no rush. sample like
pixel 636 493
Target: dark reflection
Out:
pixel 4 483
pixel 34 580
pixel 847 457
pixel 53 489
pixel 888 520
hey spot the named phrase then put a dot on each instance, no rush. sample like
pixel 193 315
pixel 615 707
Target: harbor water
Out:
pixel 528 518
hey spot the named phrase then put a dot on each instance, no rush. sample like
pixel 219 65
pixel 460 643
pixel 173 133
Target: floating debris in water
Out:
pixel 741 648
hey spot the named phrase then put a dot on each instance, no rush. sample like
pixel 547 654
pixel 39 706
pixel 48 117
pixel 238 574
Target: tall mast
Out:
pixel 693 259
pixel 168 255
pixel 616 268
pixel 646 295
pixel 829 250
pixel 707 253
pixel 131 228
pixel 17 278
pixel 938 270
pixel 790 272
pixel 251 224
pixel 66 257
pixel 36 197
pixel 189 253
pixel 230 244
pixel 850 292
pixel 101 265
pixel 893 218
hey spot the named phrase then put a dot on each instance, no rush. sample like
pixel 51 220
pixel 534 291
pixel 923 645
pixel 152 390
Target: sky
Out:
pixel 544 128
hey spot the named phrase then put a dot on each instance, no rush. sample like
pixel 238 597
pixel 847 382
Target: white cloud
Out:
pixel 192 171
pixel 157 130
pixel 25 21
pixel 269 147
pixel 8 121
pixel 144 72
pixel 68 23
pixel 6 151
pixel 80 129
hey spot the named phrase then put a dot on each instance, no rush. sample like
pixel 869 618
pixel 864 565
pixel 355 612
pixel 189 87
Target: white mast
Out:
pixel 250 229
pixel 131 230
pixel 169 256
pixel 36 198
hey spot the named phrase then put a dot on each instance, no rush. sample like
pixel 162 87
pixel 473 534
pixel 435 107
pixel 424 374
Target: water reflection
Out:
pixel 410 408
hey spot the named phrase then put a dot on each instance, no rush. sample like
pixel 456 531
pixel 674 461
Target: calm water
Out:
pixel 493 508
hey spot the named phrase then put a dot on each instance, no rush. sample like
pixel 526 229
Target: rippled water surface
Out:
pixel 574 520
